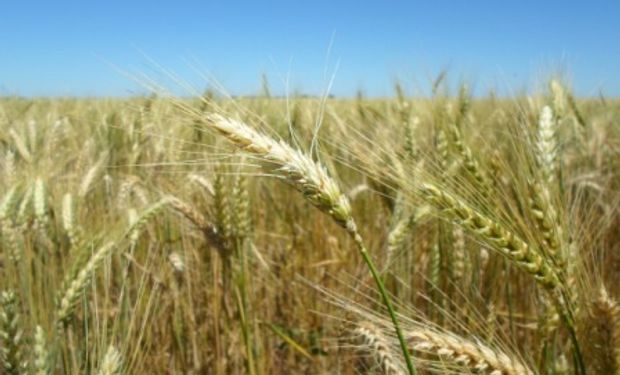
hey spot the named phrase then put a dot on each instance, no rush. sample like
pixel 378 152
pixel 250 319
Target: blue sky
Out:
pixel 73 47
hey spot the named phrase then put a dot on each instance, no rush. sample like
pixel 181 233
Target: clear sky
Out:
pixel 72 47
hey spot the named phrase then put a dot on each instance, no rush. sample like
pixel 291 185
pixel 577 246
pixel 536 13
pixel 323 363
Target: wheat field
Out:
pixel 300 235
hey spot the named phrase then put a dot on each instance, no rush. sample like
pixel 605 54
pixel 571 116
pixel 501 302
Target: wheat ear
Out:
pixel 303 173
pixel 40 363
pixel 75 287
pixel 111 363
pixel 546 219
pixel 464 353
pixel 7 226
pixel 11 335
pixel 546 144
pixel 470 163
pixel 377 343
pixel 209 230
pixel 494 234
pixel 603 335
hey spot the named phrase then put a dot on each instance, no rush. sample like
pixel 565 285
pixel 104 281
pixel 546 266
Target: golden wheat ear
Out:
pixel 111 363
pixel 468 355
pixel 376 344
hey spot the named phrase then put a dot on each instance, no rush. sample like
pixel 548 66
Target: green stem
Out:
pixel 566 314
pixel 245 331
pixel 569 321
pixel 386 300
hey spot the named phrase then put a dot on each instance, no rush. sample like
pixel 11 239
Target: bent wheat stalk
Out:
pixel 312 180
pixel 209 230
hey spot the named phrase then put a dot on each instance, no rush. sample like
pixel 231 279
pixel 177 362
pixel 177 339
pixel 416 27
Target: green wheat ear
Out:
pixel 11 335
pixel 494 234
pixel 41 356
pixel 75 287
